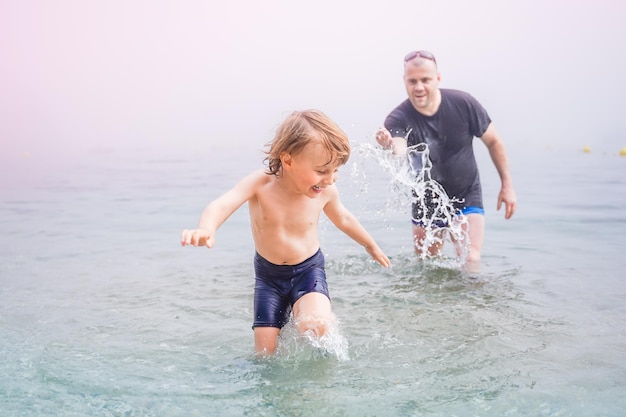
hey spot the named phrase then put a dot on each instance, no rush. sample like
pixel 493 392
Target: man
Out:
pixel 447 121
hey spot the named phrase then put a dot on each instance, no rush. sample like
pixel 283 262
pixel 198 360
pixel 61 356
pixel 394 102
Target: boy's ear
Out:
pixel 286 159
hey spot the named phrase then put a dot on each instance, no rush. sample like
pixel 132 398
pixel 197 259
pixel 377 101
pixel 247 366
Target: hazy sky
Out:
pixel 100 74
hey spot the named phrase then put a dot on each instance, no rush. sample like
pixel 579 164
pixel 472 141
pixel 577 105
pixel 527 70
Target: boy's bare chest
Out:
pixel 295 212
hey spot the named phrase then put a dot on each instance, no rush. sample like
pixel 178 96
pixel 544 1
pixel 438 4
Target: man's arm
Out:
pixel 494 144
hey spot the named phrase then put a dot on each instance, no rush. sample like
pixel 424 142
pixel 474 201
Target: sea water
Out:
pixel 102 313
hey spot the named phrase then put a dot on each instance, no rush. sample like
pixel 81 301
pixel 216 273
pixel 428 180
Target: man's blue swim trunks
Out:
pixel 430 210
pixel 278 287
pixel 437 223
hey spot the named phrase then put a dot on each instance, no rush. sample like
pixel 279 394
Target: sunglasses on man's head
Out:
pixel 421 54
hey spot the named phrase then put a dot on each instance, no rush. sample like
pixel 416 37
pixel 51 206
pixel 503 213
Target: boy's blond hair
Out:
pixel 302 128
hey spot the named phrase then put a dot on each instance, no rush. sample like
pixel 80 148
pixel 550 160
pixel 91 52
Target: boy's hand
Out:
pixel 197 237
pixel 379 256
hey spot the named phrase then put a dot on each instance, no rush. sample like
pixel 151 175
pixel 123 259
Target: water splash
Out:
pixel 308 345
pixel 411 183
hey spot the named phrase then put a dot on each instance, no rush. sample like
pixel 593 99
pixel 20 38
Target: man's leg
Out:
pixel 476 232
pixel 419 237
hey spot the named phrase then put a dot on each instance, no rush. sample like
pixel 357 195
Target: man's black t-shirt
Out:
pixel 449 134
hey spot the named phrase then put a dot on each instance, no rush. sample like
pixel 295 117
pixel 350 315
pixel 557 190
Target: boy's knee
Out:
pixel 314 324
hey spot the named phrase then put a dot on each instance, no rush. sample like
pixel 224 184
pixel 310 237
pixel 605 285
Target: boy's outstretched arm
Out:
pixel 350 225
pixel 220 209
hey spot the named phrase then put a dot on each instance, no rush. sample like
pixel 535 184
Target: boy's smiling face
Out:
pixel 311 170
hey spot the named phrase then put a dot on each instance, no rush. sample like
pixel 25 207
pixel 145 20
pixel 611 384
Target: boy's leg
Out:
pixel 265 340
pixel 313 312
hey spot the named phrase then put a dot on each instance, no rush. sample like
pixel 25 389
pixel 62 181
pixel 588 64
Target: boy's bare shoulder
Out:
pixel 256 179
pixel 257 175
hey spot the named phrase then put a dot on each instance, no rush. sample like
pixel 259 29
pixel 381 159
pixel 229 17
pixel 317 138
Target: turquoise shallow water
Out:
pixel 102 313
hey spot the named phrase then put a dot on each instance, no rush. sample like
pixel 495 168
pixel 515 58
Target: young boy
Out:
pixel 285 202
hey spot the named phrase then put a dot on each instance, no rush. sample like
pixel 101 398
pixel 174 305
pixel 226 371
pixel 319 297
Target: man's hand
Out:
pixel 383 137
pixel 508 197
